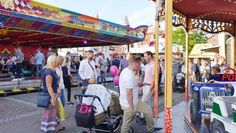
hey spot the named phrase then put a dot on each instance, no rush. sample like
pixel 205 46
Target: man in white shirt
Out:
pixel 87 71
pixel 129 97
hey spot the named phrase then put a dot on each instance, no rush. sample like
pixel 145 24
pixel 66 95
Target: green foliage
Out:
pixel 195 38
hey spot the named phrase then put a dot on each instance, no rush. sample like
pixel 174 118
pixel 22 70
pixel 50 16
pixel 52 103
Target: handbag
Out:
pixel 84 115
pixel 43 100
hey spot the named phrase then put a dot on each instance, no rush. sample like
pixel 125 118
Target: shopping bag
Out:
pixel 49 121
pixel 61 111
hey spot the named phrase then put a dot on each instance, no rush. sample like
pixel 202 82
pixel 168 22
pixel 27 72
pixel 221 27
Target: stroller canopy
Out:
pixel 102 93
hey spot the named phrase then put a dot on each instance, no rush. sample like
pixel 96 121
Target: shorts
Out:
pixel 84 83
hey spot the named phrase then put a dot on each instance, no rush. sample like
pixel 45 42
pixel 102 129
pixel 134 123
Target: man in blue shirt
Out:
pixel 116 61
pixel 39 57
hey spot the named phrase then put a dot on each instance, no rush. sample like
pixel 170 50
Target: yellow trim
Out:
pixel 44 5
pixel 16 90
pixel 156 68
pixel 41 87
pixel 168 64
pixel 31 89
pixel 2 92
pixel 168 53
pixel 78 27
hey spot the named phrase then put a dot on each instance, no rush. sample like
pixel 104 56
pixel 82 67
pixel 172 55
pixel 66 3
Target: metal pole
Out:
pixel 233 49
pixel 156 63
pixel 168 64
pixel 128 47
pixel 186 62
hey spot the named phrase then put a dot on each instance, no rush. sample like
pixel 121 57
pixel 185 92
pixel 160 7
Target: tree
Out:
pixel 180 39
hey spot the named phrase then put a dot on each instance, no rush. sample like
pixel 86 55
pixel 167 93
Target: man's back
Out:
pixel 20 56
pixel 127 81
pixel 39 57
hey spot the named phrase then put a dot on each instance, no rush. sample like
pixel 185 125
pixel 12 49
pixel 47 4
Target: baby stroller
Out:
pixel 179 82
pixel 105 105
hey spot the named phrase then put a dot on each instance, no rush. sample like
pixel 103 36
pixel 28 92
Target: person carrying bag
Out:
pixel 49 122
pixel 87 71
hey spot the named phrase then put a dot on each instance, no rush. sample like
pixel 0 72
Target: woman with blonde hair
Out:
pixel 60 62
pixel 50 81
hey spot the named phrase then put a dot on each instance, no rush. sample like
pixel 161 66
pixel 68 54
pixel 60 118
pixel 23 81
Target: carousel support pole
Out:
pixel 156 63
pixel 168 64
pixel 233 49
pixel 128 47
pixel 186 61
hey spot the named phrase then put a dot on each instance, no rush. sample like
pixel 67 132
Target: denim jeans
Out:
pixel 83 91
pixel 19 67
pixel 39 69
pixel 103 77
pixel 63 97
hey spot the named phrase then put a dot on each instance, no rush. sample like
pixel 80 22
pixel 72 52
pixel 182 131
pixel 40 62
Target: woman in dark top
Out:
pixel 67 78
pixel 50 81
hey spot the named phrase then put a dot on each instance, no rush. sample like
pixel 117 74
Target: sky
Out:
pixel 139 12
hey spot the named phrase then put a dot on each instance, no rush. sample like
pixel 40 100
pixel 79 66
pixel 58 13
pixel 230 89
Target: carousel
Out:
pixel 32 25
pixel 213 99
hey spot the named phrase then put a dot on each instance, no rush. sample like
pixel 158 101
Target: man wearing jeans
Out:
pixel 19 62
pixel 129 97
pixel 39 57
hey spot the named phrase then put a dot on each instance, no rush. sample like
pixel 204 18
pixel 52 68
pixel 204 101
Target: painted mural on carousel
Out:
pixel 69 18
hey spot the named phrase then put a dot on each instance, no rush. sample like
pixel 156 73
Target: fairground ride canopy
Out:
pixel 212 16
pixel 30 23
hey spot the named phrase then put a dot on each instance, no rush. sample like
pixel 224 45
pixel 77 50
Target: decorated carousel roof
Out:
pixel 27 22
pixel 218 10
pixel 212 16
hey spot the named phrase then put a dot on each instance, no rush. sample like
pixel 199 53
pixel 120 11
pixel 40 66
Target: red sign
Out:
pixel 228 77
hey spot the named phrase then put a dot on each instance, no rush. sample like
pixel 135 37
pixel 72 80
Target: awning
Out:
pixel 197 51
pixel 211 49
pixel 27 22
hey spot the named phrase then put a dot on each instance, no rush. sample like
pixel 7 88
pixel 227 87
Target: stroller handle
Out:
pixel 83 95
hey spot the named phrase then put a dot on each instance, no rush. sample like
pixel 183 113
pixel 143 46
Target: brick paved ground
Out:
pixel 19 114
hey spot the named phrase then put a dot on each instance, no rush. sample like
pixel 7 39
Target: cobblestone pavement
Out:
pixel 19 114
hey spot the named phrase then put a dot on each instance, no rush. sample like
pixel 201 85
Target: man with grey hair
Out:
pixel 129 101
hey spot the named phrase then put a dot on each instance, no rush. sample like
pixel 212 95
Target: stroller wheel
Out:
pixel 131 130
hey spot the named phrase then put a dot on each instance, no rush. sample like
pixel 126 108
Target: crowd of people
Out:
pixel 56 77
pixel 204 70
pixel 16 63
pixel 136 75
